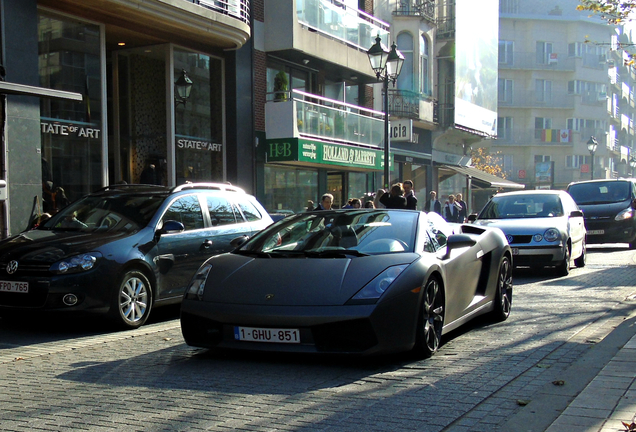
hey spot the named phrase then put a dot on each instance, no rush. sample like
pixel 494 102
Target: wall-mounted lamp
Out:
pixel 182 88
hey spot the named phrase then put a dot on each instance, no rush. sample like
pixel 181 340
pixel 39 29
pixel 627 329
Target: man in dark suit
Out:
pixel 452 210
pixel 411 200
pixel 394 199
pixel 433 204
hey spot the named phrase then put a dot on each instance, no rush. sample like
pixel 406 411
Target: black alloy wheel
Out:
pixel 132 301
pixel 503 296
pixel 431 320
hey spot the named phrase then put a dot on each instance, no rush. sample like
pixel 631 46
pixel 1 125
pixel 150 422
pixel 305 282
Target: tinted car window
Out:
pixel 119 213
pixel 249 211
pixel 187 211
pixel 221 211
pixel 523 206
pixel 600 192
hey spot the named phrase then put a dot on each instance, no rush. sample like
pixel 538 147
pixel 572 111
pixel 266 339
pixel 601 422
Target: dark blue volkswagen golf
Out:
pixel 124 249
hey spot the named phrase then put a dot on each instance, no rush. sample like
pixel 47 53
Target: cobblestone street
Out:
pixel 149 380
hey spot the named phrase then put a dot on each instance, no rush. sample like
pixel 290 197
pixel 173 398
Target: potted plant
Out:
pixel 281 86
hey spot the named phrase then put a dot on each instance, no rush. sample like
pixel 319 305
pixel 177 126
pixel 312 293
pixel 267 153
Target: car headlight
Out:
pixel 551 235
pixel 374 289
pixel 537 237
pixel 628 213
pixel 197 284
pixel 76 264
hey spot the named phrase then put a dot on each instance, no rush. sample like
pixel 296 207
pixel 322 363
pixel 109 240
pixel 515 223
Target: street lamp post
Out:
pixel 387 65
pixel 592 145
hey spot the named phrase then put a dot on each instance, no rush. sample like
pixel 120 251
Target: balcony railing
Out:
pixel 534 61
pixel 533 99
pixel 422 8
pixel 548 137
pixel 336 19
pixel 404 103
pixel 321 118
pixel 239 9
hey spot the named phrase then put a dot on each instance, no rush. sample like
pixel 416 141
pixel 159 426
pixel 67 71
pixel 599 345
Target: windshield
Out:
pixel 600 192
pixel 522 206
pixel 337 234
pixel 118 213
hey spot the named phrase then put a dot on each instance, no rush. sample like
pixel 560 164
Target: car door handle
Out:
pixel 207 244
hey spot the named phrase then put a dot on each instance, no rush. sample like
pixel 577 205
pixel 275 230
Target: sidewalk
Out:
pixel 608 400
pixel 597 395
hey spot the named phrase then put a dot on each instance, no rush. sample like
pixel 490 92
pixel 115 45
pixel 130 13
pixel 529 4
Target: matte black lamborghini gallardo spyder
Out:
pixel 349 282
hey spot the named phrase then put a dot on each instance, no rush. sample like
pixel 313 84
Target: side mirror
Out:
pixel 471 218
pixel 239 241
pixel 458 241
pixel 634 204
pixel 171 227
pixel 576 213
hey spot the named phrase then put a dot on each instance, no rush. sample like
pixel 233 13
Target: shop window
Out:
pixel 71 132
pixel 199 148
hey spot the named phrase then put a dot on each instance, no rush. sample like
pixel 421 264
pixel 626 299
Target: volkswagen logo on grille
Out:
pixel 509 238
pixel 12 267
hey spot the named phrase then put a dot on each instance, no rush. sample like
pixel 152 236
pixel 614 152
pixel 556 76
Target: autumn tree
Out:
pixel 613 11
pixel 484 161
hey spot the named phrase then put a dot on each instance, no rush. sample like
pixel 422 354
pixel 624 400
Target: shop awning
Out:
pixel 484 180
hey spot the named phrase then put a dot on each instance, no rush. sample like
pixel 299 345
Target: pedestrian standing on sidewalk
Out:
pixel 411 200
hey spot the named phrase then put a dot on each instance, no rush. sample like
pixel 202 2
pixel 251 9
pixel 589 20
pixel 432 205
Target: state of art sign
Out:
pixel 69 130
pixel 192 144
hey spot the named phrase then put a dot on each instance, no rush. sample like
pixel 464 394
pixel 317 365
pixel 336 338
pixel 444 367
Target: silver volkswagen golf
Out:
pixel 543 227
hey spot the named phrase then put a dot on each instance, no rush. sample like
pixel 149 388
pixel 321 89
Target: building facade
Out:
pixel 563 79
pixel 123 58
pixel 320 122
pixel 275 96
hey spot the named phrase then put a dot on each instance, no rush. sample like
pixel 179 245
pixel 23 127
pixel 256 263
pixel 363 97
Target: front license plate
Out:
pixel 14 287
pixel 255 334
pixel 596 232
pixel 515 251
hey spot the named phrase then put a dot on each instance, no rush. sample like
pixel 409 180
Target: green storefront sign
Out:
pixel 316 152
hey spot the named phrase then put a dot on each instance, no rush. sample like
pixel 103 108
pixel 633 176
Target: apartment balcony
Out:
pixel 550 137
pixel 533 99
pixel 323 34
pixel 221 24
pixel 298 114
pixel 424 9
pixel 536 137
pixel 411 105
pixel 539 61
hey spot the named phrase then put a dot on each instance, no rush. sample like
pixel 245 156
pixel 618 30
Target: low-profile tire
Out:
pixel 132 301
pixel 580 261
pixel 563 269
pixel 503 296
pixel 431 320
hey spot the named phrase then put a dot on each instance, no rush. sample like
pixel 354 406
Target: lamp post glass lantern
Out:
pixel 183 87
pixel 387 66
pixel 592 145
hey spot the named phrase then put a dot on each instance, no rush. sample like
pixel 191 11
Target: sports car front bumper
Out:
pixel 358 329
